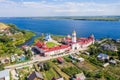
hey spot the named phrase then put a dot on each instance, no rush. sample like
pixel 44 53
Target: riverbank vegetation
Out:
pixel 11 38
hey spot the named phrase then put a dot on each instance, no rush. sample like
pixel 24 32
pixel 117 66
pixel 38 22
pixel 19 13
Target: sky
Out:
pixel 35 8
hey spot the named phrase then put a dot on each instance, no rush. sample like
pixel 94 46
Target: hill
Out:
pixel 3 26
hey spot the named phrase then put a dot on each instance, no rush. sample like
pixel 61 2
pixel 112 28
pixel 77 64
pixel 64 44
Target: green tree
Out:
pixel 99 74
pixel 47 66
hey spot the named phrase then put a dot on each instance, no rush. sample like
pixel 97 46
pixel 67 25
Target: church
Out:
pixel 78 43
pixel 69 43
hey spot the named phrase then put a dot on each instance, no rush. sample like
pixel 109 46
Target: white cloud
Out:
pixel 43 8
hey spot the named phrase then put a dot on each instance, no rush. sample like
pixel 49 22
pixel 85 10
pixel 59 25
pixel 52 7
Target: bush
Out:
pixel 67 59
pixel 109 77
pixel 99 75
pixel 47 66
pixel 89 74
pixel 1 67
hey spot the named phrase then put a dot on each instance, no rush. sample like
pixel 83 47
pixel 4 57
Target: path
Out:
pixel 29 63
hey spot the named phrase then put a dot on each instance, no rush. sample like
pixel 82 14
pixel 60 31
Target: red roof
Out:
pixel 81 41
pixel 24 46
pixel 78 79
pixel 39 44
pixel 60 59
pixel 46 49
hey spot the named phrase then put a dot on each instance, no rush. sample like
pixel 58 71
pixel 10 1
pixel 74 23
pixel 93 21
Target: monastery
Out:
pixel 68 44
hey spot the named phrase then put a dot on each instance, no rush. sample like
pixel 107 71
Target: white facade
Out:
pixel 75 46
pixel 56 51
pixel 4 75
pixel 74 37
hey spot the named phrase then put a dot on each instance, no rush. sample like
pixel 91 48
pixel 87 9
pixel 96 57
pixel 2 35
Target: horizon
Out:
pixel 57 16
pixel 51 8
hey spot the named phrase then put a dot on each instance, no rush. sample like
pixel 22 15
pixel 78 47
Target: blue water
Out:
pixel 100 29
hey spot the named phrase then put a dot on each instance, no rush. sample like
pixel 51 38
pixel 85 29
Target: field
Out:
pixel 23 73
pixel 86 65
pixel 50 74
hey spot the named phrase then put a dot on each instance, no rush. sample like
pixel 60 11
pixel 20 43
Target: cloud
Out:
pixel 44 8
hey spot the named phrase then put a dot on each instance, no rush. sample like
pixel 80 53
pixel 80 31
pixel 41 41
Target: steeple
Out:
pixel 92 36
pixel 74 32
pixel 74 36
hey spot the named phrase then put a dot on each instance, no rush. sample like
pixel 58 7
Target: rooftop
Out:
pixel 4 73
pixel 34 75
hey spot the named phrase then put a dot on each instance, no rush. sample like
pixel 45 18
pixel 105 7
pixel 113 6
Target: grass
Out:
pixel 86 65
pixel 61 73
pixel 24 72
pixel 50 74
pixel 71 70
pixel 113 70
pixel 50 44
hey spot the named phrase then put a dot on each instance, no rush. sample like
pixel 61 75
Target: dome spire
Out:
pixel 74 32
pixel 74 36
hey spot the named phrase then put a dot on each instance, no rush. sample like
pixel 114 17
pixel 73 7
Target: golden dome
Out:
pixel 74 32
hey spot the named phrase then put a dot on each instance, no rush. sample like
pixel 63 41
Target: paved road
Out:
pixel 33 61
pixel 29 63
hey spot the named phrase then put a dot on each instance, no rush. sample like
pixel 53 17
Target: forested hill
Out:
pixel 10 37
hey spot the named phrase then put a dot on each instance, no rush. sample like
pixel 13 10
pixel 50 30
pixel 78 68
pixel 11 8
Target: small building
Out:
pixel 72 56
pixel 79 76
pixel 25 47
pixel 5 61
pixel 35 76
pixel 110 47
pixel 4 75
pixel 105 65
pixel 103 57
pixel 41 66
pixel 118 40
pixel 12 58
pixel 80 59
pixel 22 58
pixel 60 59
pixel 87 53
pixel 112 62
pixel 48 37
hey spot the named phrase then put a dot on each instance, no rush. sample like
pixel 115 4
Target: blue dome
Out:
pixel 48 37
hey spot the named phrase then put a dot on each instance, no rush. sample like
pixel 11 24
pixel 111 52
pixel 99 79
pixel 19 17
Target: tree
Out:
pixel 47 66
pixel 29 53
pixel 90 74
pixel 99 74
pixel 1 66
pixel 109 77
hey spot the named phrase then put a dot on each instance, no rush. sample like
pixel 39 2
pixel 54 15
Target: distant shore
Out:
pixel 90 18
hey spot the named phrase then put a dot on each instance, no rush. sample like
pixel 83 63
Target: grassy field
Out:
pixel 86 65
pixel 50 74
pixel 61 73
pixel 23 73
pixel 50 44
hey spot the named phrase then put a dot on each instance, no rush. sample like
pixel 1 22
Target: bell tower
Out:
pixel 74 36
